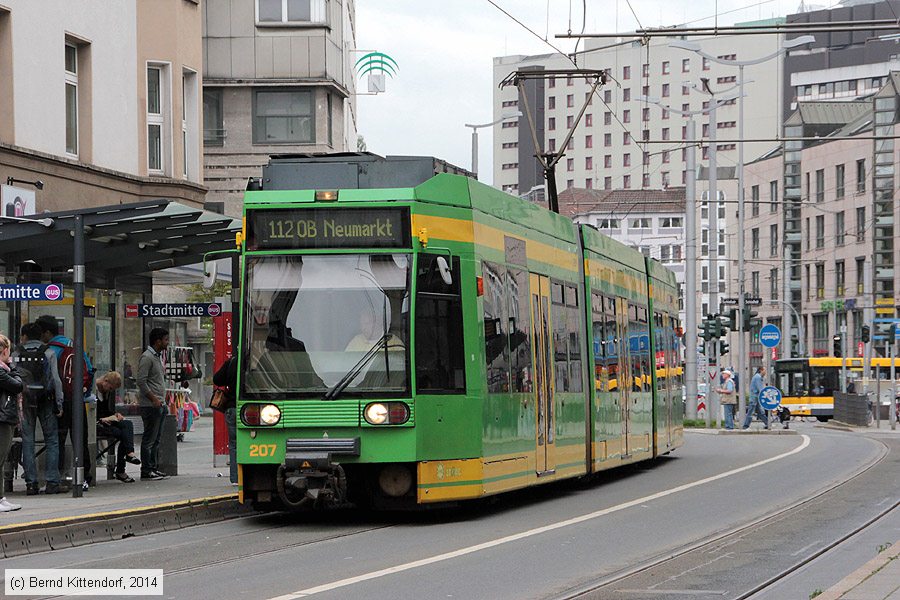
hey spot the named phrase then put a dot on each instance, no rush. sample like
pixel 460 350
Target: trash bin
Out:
pixel 168 446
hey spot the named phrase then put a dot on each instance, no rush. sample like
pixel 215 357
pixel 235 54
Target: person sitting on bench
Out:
pixel 112 424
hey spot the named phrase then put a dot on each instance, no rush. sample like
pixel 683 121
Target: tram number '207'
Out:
pixel 262 449
pixel 286 229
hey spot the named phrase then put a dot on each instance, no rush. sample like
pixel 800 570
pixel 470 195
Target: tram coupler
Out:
pixel 311 481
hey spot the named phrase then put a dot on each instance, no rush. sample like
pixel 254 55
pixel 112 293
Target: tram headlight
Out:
pixel 376 414
pixel 269 414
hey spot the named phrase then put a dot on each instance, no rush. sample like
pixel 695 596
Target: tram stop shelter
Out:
pixel 120 246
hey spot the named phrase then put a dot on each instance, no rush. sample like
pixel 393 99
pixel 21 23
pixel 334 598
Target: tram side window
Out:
pixel 660 362
pixel 574 321
pixel 496 321
pixel 611 333
pixel 519 329
pixel 634 349
pixel 439 330
pixel 598 343
pixel 560 336
pixel 646 350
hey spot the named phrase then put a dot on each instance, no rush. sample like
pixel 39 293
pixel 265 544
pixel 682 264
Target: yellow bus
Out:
pixel 808 384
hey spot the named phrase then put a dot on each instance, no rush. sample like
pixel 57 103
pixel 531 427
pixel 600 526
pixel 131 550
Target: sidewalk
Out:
pixel 878 579
pixel 198 485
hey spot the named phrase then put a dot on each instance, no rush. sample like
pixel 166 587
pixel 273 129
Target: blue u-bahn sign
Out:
pixel 22 292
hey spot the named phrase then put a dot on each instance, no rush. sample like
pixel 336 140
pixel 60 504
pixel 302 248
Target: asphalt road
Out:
pixel 534 544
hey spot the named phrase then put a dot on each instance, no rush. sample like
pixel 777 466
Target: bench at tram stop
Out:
pixel 851 409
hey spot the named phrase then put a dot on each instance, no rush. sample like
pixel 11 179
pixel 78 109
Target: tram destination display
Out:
pixel 328 228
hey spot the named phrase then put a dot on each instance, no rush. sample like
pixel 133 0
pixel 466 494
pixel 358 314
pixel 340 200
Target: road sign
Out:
pixel 770 397
pixel 212 309
pixel 753 301
pixel 730 301
pixel 770 336
pixel 860 349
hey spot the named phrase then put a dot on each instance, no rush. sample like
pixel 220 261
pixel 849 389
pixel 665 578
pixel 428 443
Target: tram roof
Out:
pixel 120 240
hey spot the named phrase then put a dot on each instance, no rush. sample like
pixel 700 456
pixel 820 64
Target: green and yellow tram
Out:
pixel 412 336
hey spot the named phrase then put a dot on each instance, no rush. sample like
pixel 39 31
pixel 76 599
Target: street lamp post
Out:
pixel 785 46
pixel 690 271
pixel 802 339
pixel 503 117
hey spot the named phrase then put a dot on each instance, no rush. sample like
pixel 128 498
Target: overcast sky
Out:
pixel 445 52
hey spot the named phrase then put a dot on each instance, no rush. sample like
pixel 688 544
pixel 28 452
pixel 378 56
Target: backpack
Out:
pixel 65 362
pixel 34 368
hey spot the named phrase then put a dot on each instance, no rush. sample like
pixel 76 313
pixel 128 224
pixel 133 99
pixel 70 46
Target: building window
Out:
pixel 607 183
pixel 607 161
pixel 71 99
pixel 626 182
pixel 773 240
pixel 607 118
pixel 189 118
pixel 665 133
pixel 839 181
pixel 570 100
pixel 808 233
pixel 665 67
pixel 645 70
pixel 552 82
pixel 551 124
pixel 588 141
pixel 570 164
pixel 664 178
pixel 665 156
pixel 665 90
pixel 588 120
pixel 645 114
pixel 646 158
pixel 706 64
pixel 608 224
pixel 213 117
pixel 283 116
pixel 626 116
pixel 551 102
pixel 754 283
pixel 570 120
pixel 626 138
pixel 645 180
pixel 820 185
pixel 665 114
pixel 839 278
pixel 839 228
pixel 704 242
pixel 289 12
pixel 588 183
pixel 671 222
pixel 860 276
pixel 626 160
pixel 820 281
pixel 754 201
pixel 754 243
pixel 773 196
pixel 157 117
pixel 820 231
pixel 685 65
pixel 860 224
pixel 588 163
pixel 607 139
pixel 551 144
pixel 626 94
pixel 861 175
pixel 607 96
pixel 773 281
pixel 626 72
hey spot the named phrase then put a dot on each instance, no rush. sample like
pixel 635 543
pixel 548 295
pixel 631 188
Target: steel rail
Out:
pixel 607 580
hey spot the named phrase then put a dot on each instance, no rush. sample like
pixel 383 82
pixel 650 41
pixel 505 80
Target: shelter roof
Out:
pixel 120 240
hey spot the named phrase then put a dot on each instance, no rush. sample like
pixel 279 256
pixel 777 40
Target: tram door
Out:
pixel 626 381
pixel 545 462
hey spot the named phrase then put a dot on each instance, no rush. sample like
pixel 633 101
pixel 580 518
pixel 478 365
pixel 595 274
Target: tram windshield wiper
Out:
pixel 350 375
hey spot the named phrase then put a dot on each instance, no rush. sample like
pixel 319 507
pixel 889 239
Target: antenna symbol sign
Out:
pixel 376 65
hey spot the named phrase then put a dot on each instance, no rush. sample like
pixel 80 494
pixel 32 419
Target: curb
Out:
pixel 859 576
pixel 67 532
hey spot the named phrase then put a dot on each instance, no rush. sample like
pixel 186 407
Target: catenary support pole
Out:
pixel 690 278
pixel 742 361
pixel 78 366
pixel 713 245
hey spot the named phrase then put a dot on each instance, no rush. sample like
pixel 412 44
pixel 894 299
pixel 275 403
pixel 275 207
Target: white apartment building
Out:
pixel 651 221
pixel 607 150
pixel 278 79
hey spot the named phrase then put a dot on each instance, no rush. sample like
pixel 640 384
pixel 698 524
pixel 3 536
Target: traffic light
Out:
pixel 731 321
pixel 836 342
pixel 866 334
pixel 707 328
pixel 701 348
pixel 723 348
pixel 749 320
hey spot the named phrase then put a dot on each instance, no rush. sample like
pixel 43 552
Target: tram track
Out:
pixel 602 586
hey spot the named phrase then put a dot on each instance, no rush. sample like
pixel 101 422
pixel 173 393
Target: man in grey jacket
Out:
pixel 152 387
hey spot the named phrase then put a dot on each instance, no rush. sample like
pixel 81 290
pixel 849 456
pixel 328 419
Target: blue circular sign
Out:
pixel 770 397
pixel 769 336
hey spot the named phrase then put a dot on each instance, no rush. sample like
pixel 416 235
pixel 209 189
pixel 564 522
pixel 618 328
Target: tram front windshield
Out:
pixel 315 324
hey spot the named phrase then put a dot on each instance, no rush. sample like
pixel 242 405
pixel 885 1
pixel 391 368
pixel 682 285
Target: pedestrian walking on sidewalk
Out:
pixel 42 400
pixel 152 390
pixel 10 388
pixel 113 424
pixel 226 378
pixel 727 399
pixel 756 385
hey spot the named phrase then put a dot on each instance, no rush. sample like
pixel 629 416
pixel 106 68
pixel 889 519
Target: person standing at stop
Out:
pixel 756 385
